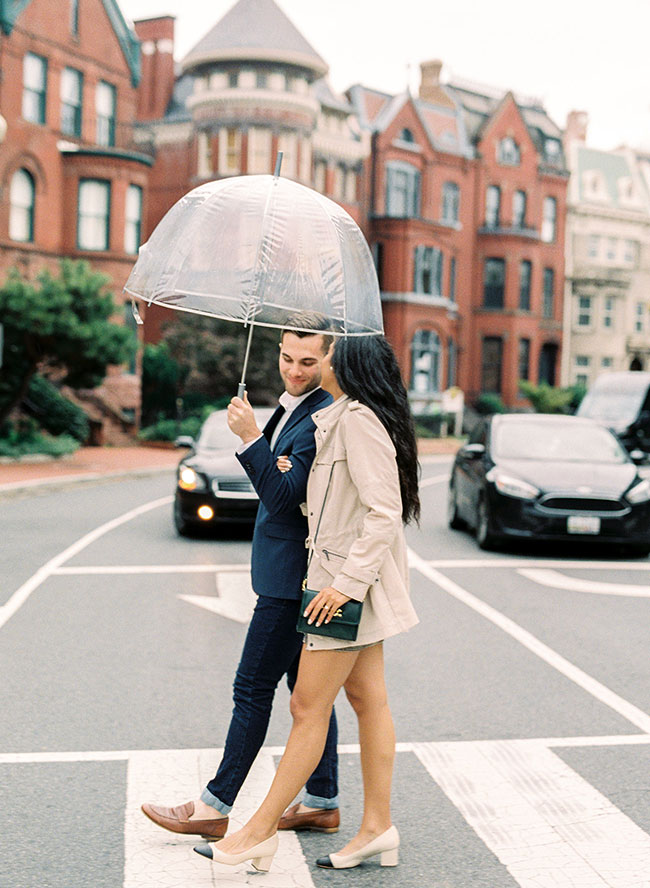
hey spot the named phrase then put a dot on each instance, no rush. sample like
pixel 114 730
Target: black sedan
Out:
pixel 548 477
pixel 211 485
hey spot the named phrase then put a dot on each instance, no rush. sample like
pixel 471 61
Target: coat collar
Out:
pixel 326 417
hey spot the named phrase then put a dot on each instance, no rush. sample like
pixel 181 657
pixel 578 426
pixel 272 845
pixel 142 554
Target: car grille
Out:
pixel 236 484
pixel 573 504
pixel 233 488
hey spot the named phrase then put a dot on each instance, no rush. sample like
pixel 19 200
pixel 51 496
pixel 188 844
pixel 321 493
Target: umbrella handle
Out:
pixel 241 390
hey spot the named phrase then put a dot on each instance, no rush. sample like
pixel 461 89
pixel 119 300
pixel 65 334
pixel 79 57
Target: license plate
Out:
pixel 583 524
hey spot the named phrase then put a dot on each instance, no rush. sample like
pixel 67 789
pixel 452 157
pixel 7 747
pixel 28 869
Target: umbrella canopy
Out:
pixel 257 249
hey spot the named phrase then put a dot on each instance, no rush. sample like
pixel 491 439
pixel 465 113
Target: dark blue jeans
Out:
pixel 272 649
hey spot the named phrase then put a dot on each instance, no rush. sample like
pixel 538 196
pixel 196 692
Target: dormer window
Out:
pixel 407 136
pixel 508 152
pixel 594 185
pixel 552 150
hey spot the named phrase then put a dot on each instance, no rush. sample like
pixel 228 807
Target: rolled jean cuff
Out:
pixel 312 801
pixel 214 802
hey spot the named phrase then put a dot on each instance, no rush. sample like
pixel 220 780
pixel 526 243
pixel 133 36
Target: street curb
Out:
pixel 72 480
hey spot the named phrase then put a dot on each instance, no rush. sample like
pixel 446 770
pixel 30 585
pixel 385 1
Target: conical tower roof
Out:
pixel 255 30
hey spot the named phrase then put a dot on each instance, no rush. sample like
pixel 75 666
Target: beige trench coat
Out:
pixel 359 548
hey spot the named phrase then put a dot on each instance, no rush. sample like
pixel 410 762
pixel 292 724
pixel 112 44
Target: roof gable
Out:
pixel 255 29
pixel 10 10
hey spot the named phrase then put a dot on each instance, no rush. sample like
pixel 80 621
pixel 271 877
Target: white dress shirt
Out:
pixel 289 402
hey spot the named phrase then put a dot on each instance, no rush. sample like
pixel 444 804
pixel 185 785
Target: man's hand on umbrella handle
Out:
pixel 241 419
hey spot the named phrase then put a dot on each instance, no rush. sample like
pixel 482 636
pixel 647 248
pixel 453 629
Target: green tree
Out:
pixel 210 355
pixel 58 323
pixel 546 398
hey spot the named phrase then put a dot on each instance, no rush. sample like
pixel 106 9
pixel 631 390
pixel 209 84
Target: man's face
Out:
pixel 300 359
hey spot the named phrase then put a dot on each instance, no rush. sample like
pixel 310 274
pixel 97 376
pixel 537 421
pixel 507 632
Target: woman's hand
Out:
pixel 323 607
pixel 284 464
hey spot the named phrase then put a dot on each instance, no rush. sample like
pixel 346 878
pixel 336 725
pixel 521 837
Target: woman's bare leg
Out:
pixel 321 675
pixel 366 691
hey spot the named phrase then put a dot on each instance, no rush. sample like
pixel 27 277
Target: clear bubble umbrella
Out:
pixel 258 249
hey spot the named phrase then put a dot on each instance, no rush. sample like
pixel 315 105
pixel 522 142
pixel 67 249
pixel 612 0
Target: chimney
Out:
pixel 156 37
pixel 431 89
pixel 576 127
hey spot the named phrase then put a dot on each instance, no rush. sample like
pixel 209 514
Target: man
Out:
pixel 278 564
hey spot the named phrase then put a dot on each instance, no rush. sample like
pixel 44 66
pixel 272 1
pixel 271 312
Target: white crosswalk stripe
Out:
pixel 546 824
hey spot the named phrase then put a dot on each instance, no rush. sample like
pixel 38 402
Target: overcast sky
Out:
pixel 587 55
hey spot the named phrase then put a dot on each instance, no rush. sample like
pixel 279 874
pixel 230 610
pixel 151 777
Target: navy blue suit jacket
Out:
pixel 279 557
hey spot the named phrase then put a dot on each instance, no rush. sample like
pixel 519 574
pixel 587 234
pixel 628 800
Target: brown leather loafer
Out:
pixel 325 820
pixel 177 820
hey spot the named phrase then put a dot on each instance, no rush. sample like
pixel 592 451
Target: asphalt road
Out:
pixel 521 702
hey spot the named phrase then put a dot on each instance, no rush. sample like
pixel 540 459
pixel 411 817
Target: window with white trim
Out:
pixel 508 152
pixel 641 310
pixel 585 307
pixel 34 87
pixel 581 375
pixel 492 206
pixel 105 102
pixel 608 312
pixel 93 220
pixel 229 150
pixel 425 362
pixel 71 101
pixel 450 202
pixel 428 271
pixel 519 209
pixel 593 246
pixel 548 293
pixel 259 150
pixel 549 219
pixel 133 219
pixel 22 193
pixel 402 190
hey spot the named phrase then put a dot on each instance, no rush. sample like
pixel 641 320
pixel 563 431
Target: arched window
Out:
pixel 425 362
pixel 21 213
pixel 508 152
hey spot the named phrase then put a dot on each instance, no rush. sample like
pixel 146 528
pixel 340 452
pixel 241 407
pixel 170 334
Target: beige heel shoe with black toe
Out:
pixel 386 846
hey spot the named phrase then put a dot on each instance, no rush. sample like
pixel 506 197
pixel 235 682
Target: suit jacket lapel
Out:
pixel 269 428
pixel 300 412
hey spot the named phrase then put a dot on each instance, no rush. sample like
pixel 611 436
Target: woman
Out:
pixel 363 485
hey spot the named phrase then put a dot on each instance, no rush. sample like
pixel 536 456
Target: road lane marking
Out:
pixel 602 693
pixel 545 823
pixel 149 569
pixel 153 858
pixel 21 595
pixel 555 580
pixel 235 599
pixel 515 561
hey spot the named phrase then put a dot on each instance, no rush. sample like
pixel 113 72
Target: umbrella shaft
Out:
pixel 242 385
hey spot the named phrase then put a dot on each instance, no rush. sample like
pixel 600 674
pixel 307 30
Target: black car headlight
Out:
pixel 509 485
pixel 640 493
pixel 188 479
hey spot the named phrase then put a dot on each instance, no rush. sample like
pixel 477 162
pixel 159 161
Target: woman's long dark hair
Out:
pixel 366 369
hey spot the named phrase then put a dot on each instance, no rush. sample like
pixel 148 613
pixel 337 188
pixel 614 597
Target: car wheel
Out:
pixel 485 536
pixel 181 525
pixel 453 518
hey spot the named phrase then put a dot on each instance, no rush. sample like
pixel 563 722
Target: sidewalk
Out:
pixel 90 463
pixel 86 464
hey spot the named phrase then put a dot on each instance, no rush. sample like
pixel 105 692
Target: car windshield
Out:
pixel 615 407
pixel 215 434
pixel 556 442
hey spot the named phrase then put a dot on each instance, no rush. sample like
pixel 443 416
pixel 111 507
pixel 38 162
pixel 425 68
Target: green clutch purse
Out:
pixel 344 624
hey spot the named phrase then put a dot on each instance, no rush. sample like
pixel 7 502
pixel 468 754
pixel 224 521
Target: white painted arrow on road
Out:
pixel 555 580
pixel 235 598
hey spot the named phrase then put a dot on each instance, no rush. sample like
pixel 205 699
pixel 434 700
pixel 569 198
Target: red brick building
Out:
pixel 73 182
pixel 466 217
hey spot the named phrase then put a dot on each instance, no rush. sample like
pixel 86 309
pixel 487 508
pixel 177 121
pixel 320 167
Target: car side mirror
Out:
pixel 473 451
pixel 638 456
pixel 184 441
